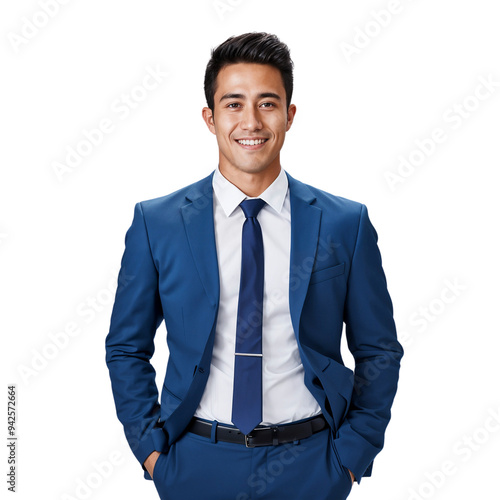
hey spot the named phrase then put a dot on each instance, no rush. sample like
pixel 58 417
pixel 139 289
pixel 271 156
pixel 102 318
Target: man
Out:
pixel 255 274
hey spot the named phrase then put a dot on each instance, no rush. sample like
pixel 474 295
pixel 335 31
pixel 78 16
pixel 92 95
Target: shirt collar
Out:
pixel 229 196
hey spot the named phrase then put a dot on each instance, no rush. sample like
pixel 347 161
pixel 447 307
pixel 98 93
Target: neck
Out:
pixel 251 183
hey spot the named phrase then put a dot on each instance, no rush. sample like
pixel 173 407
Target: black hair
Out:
pixel 260 48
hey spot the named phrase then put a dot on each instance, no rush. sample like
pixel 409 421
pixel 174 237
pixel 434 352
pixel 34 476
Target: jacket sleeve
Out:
pixel 136 315
pixel 372 340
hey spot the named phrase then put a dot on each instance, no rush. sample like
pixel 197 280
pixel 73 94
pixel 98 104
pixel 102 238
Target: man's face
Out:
pixel 250 118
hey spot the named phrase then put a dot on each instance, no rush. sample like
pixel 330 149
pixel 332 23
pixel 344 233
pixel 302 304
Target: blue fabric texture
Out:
pixel 169 273
pixel 247 391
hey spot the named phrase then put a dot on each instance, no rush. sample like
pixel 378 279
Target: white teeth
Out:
pixel 252 142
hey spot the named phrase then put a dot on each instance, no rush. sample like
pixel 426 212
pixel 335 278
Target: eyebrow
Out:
pixel 242 96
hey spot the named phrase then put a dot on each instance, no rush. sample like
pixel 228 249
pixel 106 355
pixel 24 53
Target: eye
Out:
pixel 233 105
pixel 268 105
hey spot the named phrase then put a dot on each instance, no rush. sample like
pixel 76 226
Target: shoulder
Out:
pixel 177 199
pixel 332 204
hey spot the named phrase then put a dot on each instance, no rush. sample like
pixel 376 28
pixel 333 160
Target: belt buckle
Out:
pixel 274 437
pixel 247 444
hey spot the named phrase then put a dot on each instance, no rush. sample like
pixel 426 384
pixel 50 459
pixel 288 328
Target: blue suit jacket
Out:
pixel 169 272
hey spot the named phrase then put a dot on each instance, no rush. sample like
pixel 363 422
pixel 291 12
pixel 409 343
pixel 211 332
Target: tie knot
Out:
pixel 252 207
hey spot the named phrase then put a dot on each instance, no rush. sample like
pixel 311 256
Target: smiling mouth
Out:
pixel 251 142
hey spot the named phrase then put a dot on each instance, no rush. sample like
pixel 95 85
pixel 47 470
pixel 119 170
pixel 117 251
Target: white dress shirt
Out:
pixel 285 396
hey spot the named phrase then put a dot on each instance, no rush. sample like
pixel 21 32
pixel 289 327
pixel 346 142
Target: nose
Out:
pixel 251 119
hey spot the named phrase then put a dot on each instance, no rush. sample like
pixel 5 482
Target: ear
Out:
pixel 290 114
pixel 208 118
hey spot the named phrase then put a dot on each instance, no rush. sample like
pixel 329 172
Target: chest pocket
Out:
pixel 327 273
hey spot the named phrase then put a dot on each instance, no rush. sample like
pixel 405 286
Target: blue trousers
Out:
pixel 197 468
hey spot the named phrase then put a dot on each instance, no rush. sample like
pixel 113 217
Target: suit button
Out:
pixel 201 370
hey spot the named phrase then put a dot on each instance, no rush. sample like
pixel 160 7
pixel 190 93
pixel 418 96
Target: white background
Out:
pixel 62 237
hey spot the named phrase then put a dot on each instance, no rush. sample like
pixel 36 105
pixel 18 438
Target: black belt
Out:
pixel 260 436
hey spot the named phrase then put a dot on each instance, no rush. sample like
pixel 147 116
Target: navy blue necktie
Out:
pixel 247 391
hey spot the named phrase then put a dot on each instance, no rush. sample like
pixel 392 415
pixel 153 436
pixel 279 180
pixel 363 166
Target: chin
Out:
pixel 253 166
pixel 254 169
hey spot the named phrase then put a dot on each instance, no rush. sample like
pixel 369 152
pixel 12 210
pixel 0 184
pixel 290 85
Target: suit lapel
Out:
pixel 198 220
pixel 198 217
pixel 305 221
